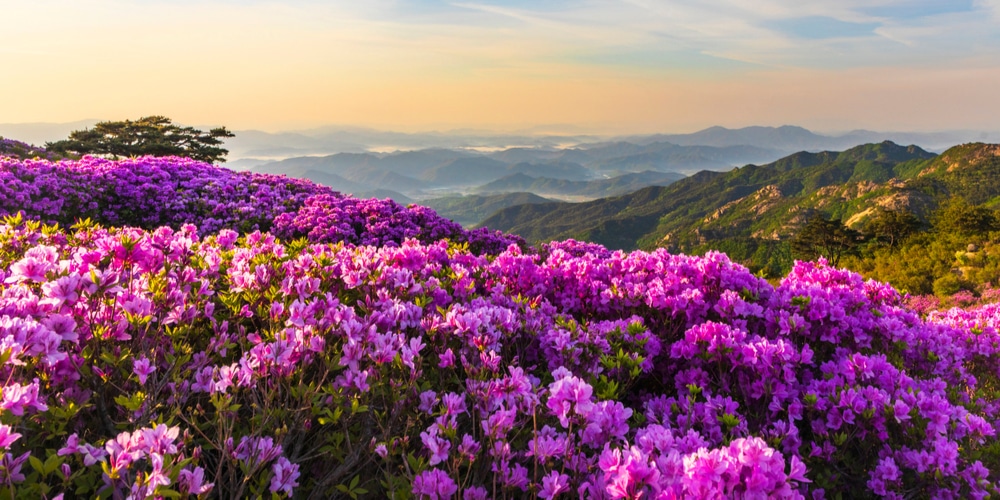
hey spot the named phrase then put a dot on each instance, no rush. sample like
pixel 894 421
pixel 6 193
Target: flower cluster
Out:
pixel 164 362
pixel 17 149
pixel 334 218
pixel 149 192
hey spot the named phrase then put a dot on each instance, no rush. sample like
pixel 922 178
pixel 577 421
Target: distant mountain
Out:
pixel 465 172
pixel 547 186
pixel 768 202
pixel 384 179
pixel 664 156
pixel 646 154
pixel 526 155
pixel 418 163
pixel 343 172
pixel 592 171
pixel 244 163
pixel 535 145
pixel 785 138
pixel 335 139
pixel 472 209
pixel 385 193
pixel 554 169
pixel 334 181
pixel 788 138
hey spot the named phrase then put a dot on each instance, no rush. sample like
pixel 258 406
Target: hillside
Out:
pixel 470 210
pixel 768 202
pixel 598 188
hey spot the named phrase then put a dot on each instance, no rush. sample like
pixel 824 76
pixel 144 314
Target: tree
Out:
pixel 891 227
pixel 150 135
pixel 821 237
pixel 958 216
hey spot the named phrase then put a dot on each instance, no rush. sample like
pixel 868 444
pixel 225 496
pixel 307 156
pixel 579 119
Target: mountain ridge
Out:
pixel 768 201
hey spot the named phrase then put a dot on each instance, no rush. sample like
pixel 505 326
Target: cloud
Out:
pixel 267 58
pixel 991 6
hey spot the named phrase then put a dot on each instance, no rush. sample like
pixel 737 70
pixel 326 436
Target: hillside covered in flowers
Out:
pixel 173 329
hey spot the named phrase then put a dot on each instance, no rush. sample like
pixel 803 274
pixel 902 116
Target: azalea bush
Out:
pixel 17 149
pixel 373 361
pixel 149 192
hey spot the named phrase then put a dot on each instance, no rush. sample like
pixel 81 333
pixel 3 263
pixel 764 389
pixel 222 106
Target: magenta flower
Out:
pixel 10 468
pixel 7 437
pixel 143 369
pixel 553 484
pixel 257 451
pixel 475 493
pixel 159 439
pixel 72 446
pixel 435 444
pixel 569 395
pixel 62 291
pixel 28 269
pixel 17 398
pixel 285 477
pixel 193 481
pixel 156 476
pixel 434 484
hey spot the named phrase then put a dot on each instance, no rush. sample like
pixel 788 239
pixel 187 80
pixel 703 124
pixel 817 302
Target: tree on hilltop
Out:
pixel 150 135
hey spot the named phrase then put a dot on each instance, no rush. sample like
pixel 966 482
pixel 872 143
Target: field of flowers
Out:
pixel 218 334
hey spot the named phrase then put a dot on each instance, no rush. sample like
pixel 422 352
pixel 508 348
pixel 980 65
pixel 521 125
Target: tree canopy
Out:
pixel 890 227
pixel 150 135
pixel 822 237
pixel 959 216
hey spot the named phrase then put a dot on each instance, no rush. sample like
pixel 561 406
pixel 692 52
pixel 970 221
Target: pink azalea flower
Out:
pixel 434 484
pixel 192 481
pixel 285 476
pixel 143 369
pixel 7 437
pixel 553 484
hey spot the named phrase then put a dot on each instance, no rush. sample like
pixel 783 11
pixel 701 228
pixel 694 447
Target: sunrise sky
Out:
pixel 604 66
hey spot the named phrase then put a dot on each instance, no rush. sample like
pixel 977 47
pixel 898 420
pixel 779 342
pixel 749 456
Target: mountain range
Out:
pixel 256 146
pixel 468 173
pixel 770 201
pixel 578 173
pixel 783 140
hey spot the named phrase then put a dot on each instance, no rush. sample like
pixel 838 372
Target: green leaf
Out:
pixel 52 463
pixel 36 464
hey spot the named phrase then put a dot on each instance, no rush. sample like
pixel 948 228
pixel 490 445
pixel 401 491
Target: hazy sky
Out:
pixel 606 66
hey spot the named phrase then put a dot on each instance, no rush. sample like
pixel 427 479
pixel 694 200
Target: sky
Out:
pixel 600 66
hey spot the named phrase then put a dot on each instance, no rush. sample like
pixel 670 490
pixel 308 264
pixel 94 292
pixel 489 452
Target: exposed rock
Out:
pixel 896 183
pixel 857 219
pixel 977 156
pixel 719 212
pixel 760 202
pixel 766 197
pixel 763 235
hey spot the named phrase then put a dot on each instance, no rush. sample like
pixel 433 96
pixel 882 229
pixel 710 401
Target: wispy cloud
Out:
pixel 315 60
